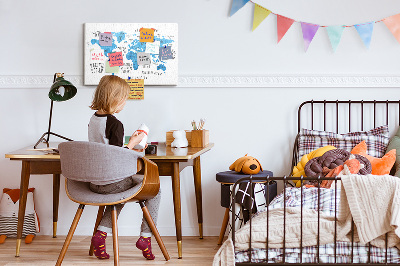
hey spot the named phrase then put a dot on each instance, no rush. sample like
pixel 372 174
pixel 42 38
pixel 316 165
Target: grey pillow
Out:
pixel 394 143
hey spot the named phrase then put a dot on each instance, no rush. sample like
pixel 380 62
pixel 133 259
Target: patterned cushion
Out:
pixel 377 139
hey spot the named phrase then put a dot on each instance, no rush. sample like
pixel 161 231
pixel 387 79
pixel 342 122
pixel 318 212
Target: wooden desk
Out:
pixel 170 162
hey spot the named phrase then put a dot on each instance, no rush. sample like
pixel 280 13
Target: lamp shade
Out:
pixel 62 90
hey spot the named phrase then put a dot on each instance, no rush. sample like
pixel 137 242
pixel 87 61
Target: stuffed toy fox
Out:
pixel 246 165
pixel 9 205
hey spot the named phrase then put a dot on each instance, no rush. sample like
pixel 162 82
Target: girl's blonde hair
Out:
pixel 109 93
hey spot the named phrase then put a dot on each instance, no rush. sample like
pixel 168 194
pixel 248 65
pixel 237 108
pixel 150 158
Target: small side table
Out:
pixel 229 178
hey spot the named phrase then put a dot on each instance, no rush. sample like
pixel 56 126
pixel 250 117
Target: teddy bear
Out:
pixel 180 140
pixel 9 205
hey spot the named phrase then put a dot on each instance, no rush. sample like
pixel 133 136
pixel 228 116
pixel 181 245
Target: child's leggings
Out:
pixel 120 186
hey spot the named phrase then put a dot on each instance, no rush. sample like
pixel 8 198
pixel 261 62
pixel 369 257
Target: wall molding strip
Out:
pixel 243 81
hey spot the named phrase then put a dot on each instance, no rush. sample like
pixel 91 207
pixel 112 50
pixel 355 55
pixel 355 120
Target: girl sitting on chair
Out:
pixel 110 98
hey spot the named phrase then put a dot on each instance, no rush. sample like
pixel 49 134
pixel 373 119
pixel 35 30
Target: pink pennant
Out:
pixel 309 31
pixel 393 23
pixel 283 25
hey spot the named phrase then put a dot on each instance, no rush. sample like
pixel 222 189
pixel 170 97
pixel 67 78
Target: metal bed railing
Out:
pixel 318 114
pixel 285 179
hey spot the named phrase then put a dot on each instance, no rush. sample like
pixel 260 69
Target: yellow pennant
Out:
pixel 260 13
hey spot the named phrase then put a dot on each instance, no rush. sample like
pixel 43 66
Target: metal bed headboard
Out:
pixel 350 104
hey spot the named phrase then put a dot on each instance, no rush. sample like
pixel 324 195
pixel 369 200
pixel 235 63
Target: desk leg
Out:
pixel 176 190
pixel 25 175
pixel 56 199
pixel 197 187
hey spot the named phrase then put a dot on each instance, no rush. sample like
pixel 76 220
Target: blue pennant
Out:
pixel 236 5
pixel 365 32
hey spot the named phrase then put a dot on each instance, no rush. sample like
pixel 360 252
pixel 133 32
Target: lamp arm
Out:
pixel 51 114
pixel 48 133
pixel 51 111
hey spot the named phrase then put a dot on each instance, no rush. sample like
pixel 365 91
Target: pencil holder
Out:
pixel 199 138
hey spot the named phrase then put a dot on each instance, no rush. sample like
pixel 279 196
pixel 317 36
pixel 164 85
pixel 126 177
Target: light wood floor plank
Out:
pixel 44 250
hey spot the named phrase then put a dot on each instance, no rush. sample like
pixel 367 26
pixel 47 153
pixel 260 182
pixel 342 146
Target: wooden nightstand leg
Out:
pixel 223 227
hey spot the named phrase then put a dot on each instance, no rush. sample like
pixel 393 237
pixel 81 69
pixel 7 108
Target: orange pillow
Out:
pixel 380 166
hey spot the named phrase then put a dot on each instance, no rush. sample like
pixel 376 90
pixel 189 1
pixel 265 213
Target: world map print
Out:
pixel 132 50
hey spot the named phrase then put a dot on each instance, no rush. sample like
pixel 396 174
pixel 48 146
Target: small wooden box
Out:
pixel 200 138
pixel 170 138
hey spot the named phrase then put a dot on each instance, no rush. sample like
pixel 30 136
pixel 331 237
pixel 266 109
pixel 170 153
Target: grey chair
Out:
pixel 83 162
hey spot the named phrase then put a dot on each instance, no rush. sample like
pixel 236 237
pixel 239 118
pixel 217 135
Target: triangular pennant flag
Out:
pixel 236 5
pixel 393 23
pixel 283 24
pixel 309 31
pixel 365 32
pixel 335 35
pixel 260 13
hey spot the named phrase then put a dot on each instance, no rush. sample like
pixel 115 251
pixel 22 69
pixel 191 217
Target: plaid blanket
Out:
pixel 310 199
pixel 244 201
pixel 326 252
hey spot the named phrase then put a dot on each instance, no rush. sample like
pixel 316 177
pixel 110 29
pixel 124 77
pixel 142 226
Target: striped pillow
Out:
pixel 377 140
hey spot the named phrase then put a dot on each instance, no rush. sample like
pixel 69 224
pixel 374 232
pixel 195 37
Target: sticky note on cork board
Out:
pixel 116 59
pixel 137 89
pixel 146 35
pixel 105 39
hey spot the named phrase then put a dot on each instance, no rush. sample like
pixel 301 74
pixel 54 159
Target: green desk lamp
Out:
pixel 61 90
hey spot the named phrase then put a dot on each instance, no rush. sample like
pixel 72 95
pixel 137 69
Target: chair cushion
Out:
pixel 230 177
pixel 80 192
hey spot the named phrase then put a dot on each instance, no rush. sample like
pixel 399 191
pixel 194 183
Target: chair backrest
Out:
pixel 93 162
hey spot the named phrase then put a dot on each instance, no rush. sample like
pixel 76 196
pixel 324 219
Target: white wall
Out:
pixel 40 38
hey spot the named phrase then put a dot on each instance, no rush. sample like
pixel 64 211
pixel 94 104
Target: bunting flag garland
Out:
pixel 283 25
pixel 309 30
pixel 236 5
pixel 260 13
pixel 393 24
pixel 365 32
pixel 335 34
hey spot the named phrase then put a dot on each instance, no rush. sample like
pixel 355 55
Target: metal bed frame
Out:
pixel 337 109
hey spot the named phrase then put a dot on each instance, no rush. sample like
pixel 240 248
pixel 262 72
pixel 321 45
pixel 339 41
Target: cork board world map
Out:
pixel 146 51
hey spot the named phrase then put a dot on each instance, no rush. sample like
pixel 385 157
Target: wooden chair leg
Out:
pixel 115 234
pixel 154 230
pixel 70 234
pixel 223 227
pixel 98 220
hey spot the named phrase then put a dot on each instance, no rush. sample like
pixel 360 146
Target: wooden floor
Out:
pixel 44 250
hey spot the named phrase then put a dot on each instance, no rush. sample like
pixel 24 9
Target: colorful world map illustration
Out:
pixel 137 51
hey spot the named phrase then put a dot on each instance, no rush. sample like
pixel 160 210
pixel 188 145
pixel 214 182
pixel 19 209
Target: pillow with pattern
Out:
pixel 377 140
